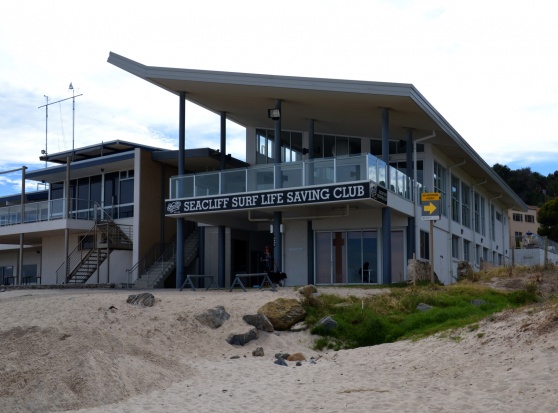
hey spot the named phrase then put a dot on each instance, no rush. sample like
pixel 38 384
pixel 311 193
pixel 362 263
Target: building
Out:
pixel 332 181
pixel 529 248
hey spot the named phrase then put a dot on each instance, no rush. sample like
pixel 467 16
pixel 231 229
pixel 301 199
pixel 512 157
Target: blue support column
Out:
pixel 310 247
pixel 221 233
pixel 386 212
pixel 180 221
pixel 277 215
pixel 411 246
pixel 309 229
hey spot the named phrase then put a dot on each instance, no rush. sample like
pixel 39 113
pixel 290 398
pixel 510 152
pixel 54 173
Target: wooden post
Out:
pixel 432 251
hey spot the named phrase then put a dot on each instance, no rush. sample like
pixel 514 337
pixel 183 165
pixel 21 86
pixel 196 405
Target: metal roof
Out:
pixel 339 107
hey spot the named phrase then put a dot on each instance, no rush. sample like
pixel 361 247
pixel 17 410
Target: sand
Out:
pixel 90 351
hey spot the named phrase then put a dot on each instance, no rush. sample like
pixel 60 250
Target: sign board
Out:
pixel 284 197
pixel 431 208
pixel 429 196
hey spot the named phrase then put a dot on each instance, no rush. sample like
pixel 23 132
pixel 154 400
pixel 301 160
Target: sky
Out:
pixel 489 67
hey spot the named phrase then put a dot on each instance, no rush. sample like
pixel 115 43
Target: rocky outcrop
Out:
pixel 241 339
pixel 283 313
pixel 144 299
pixel 260 321
pixel 421 272
pixel 308 290
pixel 214 317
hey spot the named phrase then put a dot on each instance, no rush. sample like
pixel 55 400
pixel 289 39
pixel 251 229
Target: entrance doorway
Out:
pixel 346 257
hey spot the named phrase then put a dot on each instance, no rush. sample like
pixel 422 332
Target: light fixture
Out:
pixel 274 113
pixel 71 87
pixel 304 151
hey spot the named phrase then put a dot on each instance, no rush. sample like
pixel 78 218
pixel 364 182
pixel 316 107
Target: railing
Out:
pixel 105 232
pixel 292 175
pixel 84 248
pixel 49 210
pixel 146 261
pixel 160 265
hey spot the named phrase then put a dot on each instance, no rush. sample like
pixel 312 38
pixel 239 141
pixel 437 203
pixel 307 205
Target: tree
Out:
pixel 548 220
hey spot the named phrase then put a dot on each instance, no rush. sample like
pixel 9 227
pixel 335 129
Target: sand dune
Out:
pixel 70 351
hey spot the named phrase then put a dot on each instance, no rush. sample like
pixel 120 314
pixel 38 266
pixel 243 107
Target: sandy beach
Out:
pixel 90 351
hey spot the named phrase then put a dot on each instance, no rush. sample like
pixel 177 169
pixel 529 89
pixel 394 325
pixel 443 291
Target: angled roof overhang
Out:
pixel 339 107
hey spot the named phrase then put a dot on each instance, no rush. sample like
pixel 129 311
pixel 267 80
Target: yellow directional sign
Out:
pixel 431 206
pixel 430 196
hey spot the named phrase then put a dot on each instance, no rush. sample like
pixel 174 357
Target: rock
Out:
pixel 260 321
pixel 465 271
pixel 424 307
pixel 478 302
pixel 282 355
pixel 296 357
pixel 214 317
pixel 422 271
pixel 283 313
pixel 281 362
pixel 243 338
pixel 259 352
pixel 307 290
pixel 143 299
pixel 328 323
pixel 300 326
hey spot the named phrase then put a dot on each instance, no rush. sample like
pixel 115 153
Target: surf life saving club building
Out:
pixel 331 182
pixel 333 179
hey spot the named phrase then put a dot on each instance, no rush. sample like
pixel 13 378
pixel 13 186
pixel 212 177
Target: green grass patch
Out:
pixel 390 317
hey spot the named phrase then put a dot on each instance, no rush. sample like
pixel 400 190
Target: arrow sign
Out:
pixel 430 208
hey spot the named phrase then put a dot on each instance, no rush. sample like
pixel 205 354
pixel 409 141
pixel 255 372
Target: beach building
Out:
pixel 346 181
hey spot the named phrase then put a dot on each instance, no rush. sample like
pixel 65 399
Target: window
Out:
pixel 517 217
pixel 424 245
pixel 440 178
pixel 455 199
pixel 465 205
pixel 455 247
pixel 466 250
pixel 478 252
pixel 498 216
pixel 529 218
pixel 518 237
pixel 492 223
pixel 480 214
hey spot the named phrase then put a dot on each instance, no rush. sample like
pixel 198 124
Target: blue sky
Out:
pixel 490 68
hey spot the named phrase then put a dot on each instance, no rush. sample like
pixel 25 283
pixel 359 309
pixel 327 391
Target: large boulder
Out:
pixel 308 290
pixel 283 313
pixel 214 317
pixel 143 299
pixel 241 339
pixel 260 321
pixel 421 272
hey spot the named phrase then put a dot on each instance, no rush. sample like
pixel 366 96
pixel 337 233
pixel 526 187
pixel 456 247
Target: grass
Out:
pixel 394 316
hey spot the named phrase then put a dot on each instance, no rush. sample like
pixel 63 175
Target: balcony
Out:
pixel 48 211
pixel 292 175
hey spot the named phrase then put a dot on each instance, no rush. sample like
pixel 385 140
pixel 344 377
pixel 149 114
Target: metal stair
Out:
pixel 157 273
pixel 93 249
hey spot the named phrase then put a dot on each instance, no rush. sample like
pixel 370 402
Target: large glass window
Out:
pixel 455 198
pixel 455 247
pixel 424 245
pixel 346 257
pixel 440 185
pixel 467 250
pixel 291 146
pixel 465 205
pixel 327 146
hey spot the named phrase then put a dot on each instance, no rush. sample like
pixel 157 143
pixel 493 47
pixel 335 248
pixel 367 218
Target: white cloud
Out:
pixel 488 67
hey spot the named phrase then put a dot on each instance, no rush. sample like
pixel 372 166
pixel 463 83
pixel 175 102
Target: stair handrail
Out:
pixel 164 260
pixel 75 257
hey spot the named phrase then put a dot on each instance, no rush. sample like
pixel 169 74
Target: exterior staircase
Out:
pixel 156 274
pixel 93 249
